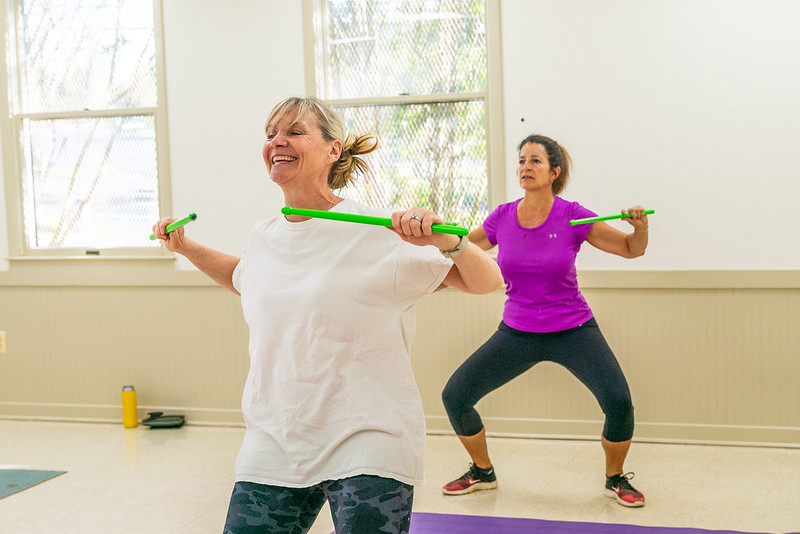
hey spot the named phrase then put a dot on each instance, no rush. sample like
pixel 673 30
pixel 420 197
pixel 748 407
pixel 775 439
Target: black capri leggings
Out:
pixel 509 353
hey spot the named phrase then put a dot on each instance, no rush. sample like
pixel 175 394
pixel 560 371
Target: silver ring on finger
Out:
pixel 414 217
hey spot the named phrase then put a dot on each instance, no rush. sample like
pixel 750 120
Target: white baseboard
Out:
pixel 696 434
pixel 646 432
pixel 103 413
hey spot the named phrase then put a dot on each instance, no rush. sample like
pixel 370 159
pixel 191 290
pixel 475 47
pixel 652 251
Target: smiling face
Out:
pixel 534 169
pixel 295 148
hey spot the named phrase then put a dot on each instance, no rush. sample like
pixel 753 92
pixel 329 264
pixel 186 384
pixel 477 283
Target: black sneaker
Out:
pixel 619 487
pixel 473 480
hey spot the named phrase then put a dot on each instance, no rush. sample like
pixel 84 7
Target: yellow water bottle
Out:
pixel 129 418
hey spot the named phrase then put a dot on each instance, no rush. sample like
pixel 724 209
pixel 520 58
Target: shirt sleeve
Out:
pixel 580 231
pixel 490 226
pixel 236 279
pixel 419 270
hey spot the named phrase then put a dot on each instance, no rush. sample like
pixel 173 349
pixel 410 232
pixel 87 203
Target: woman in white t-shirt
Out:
pixel 331 405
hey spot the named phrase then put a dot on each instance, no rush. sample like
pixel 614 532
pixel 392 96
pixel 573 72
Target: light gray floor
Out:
pixel 169 481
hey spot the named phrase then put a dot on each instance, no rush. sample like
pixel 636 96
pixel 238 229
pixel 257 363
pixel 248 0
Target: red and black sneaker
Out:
pixel 473 480
pixel 619 487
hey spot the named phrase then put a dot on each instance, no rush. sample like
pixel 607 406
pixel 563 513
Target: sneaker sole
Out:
pixel 474 487
pixel 613 495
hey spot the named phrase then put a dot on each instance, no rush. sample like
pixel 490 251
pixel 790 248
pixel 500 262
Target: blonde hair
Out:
pixel 349 163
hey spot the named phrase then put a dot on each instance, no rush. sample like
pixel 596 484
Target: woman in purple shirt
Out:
pixel 545 316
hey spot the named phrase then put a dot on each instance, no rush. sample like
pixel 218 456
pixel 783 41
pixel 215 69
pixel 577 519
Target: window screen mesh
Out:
pixel 87 54
pixel 431 155
pixel 92 182
pixel 90 178
pixel 389 47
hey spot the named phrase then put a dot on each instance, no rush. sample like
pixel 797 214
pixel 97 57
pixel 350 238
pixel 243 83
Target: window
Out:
pixel 86 131
pixel 416 73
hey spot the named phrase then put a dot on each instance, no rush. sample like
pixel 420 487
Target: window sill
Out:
pixel 90 258
pixel 100 271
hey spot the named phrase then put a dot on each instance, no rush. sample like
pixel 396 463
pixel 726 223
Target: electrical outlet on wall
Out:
pixel 3 342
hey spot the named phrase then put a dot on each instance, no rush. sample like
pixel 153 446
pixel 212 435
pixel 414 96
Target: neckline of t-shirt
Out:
pixel 549 214
pixel 314 221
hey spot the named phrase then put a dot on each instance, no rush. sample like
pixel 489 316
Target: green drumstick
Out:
pixel 446 228
pixel 606 218
pixel 177 224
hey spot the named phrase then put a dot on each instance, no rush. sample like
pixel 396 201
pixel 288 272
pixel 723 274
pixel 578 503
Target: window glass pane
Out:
pixel 395 47
pixel 432 155
pixel 90 183
pixel 87 54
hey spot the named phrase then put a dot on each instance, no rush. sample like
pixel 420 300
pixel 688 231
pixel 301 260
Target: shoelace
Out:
pixel 472 473
pixel 624 481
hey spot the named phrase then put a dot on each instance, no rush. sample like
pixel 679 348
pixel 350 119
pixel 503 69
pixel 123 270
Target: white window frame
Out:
pixel 492 97
pixel 11 121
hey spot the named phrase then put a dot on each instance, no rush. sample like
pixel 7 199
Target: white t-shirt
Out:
pixel 331 310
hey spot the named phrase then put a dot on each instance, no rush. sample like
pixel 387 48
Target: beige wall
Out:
pixel 705 364
pixel 710 355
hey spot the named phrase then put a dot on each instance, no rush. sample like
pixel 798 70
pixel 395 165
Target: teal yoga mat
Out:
pixel 16 480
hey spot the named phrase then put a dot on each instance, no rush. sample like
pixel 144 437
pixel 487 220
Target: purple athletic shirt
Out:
pixel 538 266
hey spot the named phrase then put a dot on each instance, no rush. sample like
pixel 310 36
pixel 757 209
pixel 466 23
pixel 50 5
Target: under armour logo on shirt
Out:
pixel 553 236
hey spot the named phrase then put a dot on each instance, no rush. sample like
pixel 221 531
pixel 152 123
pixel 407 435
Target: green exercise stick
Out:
pixel 606 218
pixel 446 228
pixel 177 224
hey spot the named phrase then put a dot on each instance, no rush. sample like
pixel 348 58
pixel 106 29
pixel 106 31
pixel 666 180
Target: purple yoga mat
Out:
pixel 425 523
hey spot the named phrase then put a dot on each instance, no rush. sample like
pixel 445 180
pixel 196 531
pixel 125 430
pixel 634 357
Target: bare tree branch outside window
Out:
pixel 87 101
pixel 413 72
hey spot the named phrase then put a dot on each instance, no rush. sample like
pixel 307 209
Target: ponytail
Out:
pixel 349 162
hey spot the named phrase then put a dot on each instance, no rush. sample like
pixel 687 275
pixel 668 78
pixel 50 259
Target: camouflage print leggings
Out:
pixel 359 505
